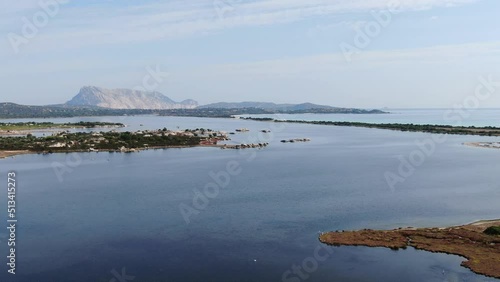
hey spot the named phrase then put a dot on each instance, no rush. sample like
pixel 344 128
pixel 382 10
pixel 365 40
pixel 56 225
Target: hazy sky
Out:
pixel 353 53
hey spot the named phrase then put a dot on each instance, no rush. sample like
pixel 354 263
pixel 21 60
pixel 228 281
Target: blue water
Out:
pixel 121 211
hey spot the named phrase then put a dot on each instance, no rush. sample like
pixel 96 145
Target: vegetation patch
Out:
pixel 492 230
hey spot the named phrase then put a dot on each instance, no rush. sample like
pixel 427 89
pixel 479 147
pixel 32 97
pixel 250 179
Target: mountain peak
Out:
pixel 126 99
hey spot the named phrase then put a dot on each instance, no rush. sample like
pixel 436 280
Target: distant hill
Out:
pixel 265 106
pixel 289 108
pixel 126 99
pixel 11 110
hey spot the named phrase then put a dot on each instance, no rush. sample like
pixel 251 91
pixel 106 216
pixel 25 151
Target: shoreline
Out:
pixel 11 153
pixel 481 251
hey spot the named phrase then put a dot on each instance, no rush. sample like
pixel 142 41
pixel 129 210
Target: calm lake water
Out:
pixel 121 212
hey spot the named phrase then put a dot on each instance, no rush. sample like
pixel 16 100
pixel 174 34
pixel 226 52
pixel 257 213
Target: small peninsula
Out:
pixel 109 141
pixel 478 242
pixel 426 128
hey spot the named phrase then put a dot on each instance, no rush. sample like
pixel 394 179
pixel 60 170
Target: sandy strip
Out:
pixel 6 154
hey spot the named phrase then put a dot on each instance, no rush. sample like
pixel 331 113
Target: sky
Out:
pixel 346 53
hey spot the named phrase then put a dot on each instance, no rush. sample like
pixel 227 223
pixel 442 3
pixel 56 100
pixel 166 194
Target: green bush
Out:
pixel 493 230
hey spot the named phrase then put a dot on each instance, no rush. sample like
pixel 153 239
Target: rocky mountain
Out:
pixel 127 99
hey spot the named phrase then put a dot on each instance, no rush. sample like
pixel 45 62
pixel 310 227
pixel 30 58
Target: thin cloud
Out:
pixel 367 60
pixel 112 23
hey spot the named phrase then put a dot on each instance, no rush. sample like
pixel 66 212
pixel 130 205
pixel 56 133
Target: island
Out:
pixel 478 242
